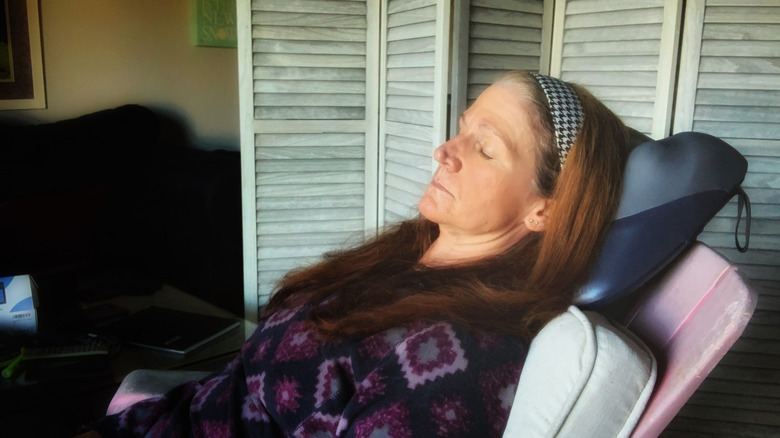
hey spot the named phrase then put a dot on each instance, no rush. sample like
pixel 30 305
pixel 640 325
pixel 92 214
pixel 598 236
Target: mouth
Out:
pixel 440 187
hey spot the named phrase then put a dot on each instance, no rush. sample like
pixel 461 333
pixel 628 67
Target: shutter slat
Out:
pixel 309 47
pixel 399 6
pixel 751 15
pixel 410 117
pixel 417 74
pixel 757 32
pixel 347 87
pixel 646 31
pixel 411 31
pixel 311 202
pixel 412 16
pixel 308 33
pixel 410 103
pixel 504 33
pixel 309 153
pixel 306 239
pixel 588 7
pixel 308 20
pixel 608 63
pixel 308 60
pixel 504 62
pixel 308 74
pixel 312 99
pixel 532 6
pixel 284 166
pixel 613 48
pixel 310 6
pixel 506 17
pixel 749 114
pixel 763 98
pixel 416 45
pixel 625 18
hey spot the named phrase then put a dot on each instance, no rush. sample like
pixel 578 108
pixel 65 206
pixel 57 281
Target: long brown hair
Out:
pixel 380 285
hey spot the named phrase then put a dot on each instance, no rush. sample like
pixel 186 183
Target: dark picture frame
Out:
pixel 21 58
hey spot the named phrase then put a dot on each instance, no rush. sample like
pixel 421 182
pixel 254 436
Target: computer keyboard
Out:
pixel 92 346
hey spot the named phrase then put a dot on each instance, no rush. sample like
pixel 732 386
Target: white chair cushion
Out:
pixel 584 376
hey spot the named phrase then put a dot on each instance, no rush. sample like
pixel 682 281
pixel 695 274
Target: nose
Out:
pixel 448 155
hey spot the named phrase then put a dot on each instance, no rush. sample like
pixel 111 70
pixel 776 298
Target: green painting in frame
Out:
pixel 215 23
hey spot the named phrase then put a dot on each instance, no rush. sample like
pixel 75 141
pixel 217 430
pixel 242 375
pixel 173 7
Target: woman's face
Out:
pixel 484 183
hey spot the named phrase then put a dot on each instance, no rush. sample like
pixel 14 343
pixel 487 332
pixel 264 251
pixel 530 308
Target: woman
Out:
pixel 423 331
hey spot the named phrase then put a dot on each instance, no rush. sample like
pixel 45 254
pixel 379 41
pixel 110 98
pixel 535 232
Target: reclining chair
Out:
pixel 672 317
pixel 590 376
pixel 658 313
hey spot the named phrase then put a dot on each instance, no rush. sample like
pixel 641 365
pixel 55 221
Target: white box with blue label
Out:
pixel 18 305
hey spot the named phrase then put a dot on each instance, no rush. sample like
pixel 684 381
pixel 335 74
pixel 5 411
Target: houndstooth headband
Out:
pixel 566 109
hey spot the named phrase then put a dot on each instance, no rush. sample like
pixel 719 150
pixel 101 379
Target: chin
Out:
pixel 427 208
pixel 424 213
pixel 430 212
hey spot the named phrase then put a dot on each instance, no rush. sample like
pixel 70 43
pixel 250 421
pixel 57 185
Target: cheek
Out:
pixel 498 187
pixel 508 194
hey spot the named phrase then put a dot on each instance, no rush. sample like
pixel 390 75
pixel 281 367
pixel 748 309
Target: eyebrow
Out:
pixel 494 131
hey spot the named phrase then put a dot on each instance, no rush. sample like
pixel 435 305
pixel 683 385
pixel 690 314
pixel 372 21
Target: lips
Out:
pixel 440 187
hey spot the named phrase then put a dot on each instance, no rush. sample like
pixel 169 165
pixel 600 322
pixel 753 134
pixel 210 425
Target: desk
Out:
pixel 57 409
pixel 207 358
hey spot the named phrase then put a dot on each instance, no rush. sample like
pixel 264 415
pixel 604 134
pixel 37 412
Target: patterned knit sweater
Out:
pixel 419 380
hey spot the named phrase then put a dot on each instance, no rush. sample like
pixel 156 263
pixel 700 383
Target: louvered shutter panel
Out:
pixel 729 86
pixel 493 37
pixel 305 131
pixel 413 101
pixel 624 52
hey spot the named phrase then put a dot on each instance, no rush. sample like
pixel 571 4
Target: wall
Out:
pixel 104 53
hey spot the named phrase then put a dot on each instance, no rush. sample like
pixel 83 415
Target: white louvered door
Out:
pixel 624 52
pixel 308 135
pixel 413 101
pixel 491 37
pixel 729 86
pixel 339 120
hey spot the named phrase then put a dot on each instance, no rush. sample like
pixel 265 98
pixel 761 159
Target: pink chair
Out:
pixel 629 374
pixel 690 317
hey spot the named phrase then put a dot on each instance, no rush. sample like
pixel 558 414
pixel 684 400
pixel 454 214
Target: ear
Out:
pixel 536 218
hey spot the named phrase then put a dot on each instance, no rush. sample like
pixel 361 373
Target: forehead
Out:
pixel 503 109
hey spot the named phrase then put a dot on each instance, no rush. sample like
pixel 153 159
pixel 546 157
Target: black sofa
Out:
pixel 100 205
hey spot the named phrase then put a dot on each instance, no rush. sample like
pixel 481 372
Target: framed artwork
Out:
pixel 21 61
pixel 215 23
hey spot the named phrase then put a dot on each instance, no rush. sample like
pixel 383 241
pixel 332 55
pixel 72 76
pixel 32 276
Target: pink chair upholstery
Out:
pixel 689 317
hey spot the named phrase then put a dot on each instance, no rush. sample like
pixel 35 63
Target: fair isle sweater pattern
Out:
pixel 424 379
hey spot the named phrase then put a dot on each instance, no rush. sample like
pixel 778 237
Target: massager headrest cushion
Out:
pixel 671 189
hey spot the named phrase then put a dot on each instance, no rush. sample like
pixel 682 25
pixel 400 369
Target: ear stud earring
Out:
pixel 533 222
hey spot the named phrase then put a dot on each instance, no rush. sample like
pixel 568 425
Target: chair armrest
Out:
pixel 584 376
pixel 143 384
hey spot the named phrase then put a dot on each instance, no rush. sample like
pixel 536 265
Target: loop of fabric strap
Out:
pixel 742 201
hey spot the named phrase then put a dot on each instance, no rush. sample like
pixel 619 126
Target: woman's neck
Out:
pixel 452 249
